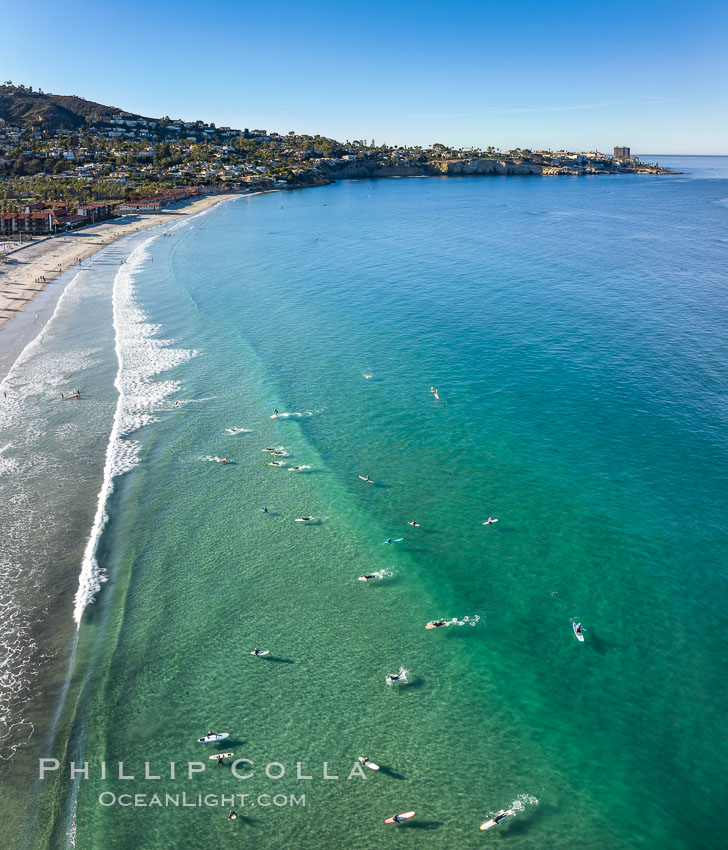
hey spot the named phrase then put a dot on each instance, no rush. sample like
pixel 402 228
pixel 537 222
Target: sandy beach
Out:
pixel 28 270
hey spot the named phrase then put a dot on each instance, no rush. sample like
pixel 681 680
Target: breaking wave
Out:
pixel 141 356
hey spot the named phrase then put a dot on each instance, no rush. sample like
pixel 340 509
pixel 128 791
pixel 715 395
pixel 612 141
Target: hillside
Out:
pixel 22 106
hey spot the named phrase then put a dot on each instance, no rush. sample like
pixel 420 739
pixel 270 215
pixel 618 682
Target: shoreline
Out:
pixel 28 271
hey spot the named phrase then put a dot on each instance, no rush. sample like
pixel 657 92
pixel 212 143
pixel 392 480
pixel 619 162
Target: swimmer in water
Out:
pixel 437 623
pixel 392 678
pixel 222 460
pixel 367 577
pixel 437 396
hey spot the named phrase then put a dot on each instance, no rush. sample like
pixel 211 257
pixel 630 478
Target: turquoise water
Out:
pixel 574 330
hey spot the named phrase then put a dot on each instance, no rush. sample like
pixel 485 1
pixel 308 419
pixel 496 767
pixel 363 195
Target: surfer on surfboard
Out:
pixel 396 677
pixel 490 521
pixel 400 818
pixel 496 819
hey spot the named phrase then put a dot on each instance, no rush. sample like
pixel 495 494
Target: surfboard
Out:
pixel 368 480
pixel 492 822
pixel 208 739
pixel 369 764
pixel 221 756
pixel 578 636
pixel 303 519
pixel 414 524
pixel 261 653
pixel 403 816
pixel 491 522
pixel 395 540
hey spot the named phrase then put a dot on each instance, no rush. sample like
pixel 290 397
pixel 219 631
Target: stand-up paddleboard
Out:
pixel 303 519
pixel 221 756
pixel 398 818
pixel 578 636
pixel 261 653
pixel 496 819
pixel 367 480
pixel 395 540
pixel 209 739
pixel 368 763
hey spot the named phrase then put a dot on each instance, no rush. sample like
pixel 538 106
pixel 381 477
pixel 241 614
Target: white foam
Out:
pixel 141 356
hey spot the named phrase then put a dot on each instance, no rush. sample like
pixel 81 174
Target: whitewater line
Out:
pixel 91 576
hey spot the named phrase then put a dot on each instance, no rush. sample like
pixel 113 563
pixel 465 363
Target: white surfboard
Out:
pixel 369 764
pixel 496 819
pixel 209 739
pixel 261 653
pixel 579 637
pixel 221 756
pixel 398 818
pixel 367 480
pixel 303 519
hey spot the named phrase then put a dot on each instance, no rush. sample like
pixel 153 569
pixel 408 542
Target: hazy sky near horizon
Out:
pixel 540 75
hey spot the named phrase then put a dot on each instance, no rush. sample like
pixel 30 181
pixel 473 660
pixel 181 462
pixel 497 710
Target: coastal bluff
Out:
pixel 328 172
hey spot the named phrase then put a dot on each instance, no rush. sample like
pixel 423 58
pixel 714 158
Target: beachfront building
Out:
pixel 96 212
pixel 137 207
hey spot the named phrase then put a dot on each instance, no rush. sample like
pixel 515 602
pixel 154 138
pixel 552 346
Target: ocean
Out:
pixel 574 329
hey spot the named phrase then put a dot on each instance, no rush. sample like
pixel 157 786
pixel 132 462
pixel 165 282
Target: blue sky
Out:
pixel 541 75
